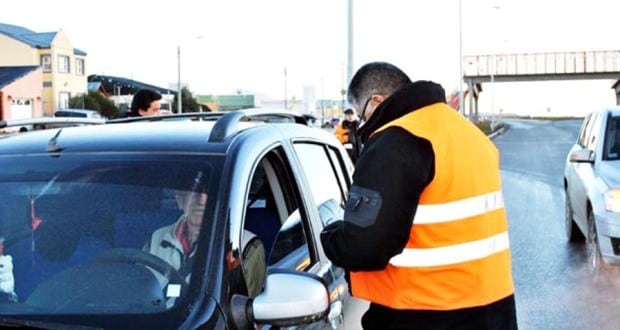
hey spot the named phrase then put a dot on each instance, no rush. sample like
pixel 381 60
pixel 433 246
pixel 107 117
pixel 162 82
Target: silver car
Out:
pixel 592 187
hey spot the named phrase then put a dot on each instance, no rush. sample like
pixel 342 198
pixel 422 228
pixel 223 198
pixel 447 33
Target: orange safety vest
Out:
pixel 458 252
pixel 342 134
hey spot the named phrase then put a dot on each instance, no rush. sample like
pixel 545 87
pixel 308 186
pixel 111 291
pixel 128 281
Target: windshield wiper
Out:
pixel 32 324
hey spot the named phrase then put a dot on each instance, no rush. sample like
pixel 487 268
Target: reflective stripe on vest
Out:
pixel 461 209
pixel 452 254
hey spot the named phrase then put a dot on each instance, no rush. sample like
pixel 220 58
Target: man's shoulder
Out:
pixel 163 232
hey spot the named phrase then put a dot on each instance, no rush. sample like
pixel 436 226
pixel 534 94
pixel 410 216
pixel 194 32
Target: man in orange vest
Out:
pixel 346 133
pixel 425 235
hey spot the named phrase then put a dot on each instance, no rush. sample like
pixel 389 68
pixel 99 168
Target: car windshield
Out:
pixel 612 139
pixel 100 233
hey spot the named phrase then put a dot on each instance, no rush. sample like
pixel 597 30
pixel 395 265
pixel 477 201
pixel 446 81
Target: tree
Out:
pixel 188 101
pixel 96 101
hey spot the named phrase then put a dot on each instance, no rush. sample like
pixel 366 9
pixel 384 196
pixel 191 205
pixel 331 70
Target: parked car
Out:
pixel 29 124
pixel 592 188
pixel 81 113
pixel 79 205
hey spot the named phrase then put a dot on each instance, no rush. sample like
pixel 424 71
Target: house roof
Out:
pixel 127 86
pixel 94 86
pixel 33 39
pixel 9 74
pixel 14 29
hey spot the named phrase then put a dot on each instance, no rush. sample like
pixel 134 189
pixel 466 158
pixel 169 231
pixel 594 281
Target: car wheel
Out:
pixel 573 233
pixel 595 260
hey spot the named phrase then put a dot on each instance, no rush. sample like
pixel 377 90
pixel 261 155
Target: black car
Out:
pixel 80 206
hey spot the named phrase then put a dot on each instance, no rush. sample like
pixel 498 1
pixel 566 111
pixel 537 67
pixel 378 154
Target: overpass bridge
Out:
pixel 479 69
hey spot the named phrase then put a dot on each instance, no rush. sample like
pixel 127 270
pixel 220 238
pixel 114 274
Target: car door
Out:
pixel 278 212
pixel 584 171
pixel 327 171
pixel 571 167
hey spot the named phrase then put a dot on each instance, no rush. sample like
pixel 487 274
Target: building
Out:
pixel 225 102
pixel 62 65
pixel 21 92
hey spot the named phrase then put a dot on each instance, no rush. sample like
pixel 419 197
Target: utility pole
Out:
pixel 461 108
pixel 322 101
pixel 285 90
pixel 179 101
pixel 350 40
pixel 343 91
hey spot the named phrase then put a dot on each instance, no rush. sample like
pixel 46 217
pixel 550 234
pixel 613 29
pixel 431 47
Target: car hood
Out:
pixel 610 172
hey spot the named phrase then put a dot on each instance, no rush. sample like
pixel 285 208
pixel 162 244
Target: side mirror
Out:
pixel 581 156
pixel 290 298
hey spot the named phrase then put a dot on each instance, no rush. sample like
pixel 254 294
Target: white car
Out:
pixel 592 187
pixel 80 113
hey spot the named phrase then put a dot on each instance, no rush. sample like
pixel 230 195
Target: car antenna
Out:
pixel 52 144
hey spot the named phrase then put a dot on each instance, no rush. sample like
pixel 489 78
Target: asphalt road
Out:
pixel 553 287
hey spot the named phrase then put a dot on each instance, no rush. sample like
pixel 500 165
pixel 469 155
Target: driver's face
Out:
pixel 193 206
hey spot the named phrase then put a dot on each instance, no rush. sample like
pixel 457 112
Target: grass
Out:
pixel 488 127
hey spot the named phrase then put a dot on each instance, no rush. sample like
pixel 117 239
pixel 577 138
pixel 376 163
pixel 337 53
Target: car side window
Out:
pixel 273 214
pixel 584 131
pixel 594 132
pixel 326 178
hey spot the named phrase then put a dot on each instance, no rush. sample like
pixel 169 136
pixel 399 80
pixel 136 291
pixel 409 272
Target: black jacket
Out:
pixel 395 166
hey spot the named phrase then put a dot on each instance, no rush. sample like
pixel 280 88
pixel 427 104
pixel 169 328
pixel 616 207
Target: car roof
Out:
pixel 615 111
pixel 160 136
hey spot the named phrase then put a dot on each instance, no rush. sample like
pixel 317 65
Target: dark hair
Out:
pixel 142 100
pixel 375 78
pixel 348 111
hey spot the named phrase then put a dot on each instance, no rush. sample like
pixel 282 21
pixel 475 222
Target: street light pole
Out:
pixel 179 101
pixel 285 90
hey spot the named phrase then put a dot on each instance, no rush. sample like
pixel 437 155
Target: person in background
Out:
pixel 346 132
pixel 145 102
pixel 425 235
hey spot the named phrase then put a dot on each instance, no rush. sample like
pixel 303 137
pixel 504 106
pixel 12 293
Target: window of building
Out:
pixel 46 63
pixel 79 66
pixel 63 64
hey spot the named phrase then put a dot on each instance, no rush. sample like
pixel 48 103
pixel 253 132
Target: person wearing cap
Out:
pixel 346 132
pixel 424 236
pixel 145 102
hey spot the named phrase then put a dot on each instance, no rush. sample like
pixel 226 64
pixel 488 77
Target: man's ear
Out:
pixel 376 99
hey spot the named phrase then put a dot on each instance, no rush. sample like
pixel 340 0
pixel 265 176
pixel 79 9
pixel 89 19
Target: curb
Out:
pixel 498 132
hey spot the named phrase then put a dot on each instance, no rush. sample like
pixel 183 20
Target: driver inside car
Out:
pixel 176 243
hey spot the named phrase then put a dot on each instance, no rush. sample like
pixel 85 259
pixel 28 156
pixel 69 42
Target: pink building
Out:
pixel 21 91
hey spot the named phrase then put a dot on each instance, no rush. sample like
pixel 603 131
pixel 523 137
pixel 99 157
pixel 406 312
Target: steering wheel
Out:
pixel 139 257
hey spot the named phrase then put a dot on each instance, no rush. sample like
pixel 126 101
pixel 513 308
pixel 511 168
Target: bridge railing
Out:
pixel 542 63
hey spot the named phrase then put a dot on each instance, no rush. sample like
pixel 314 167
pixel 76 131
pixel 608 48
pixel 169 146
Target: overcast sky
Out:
pixel 246 44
